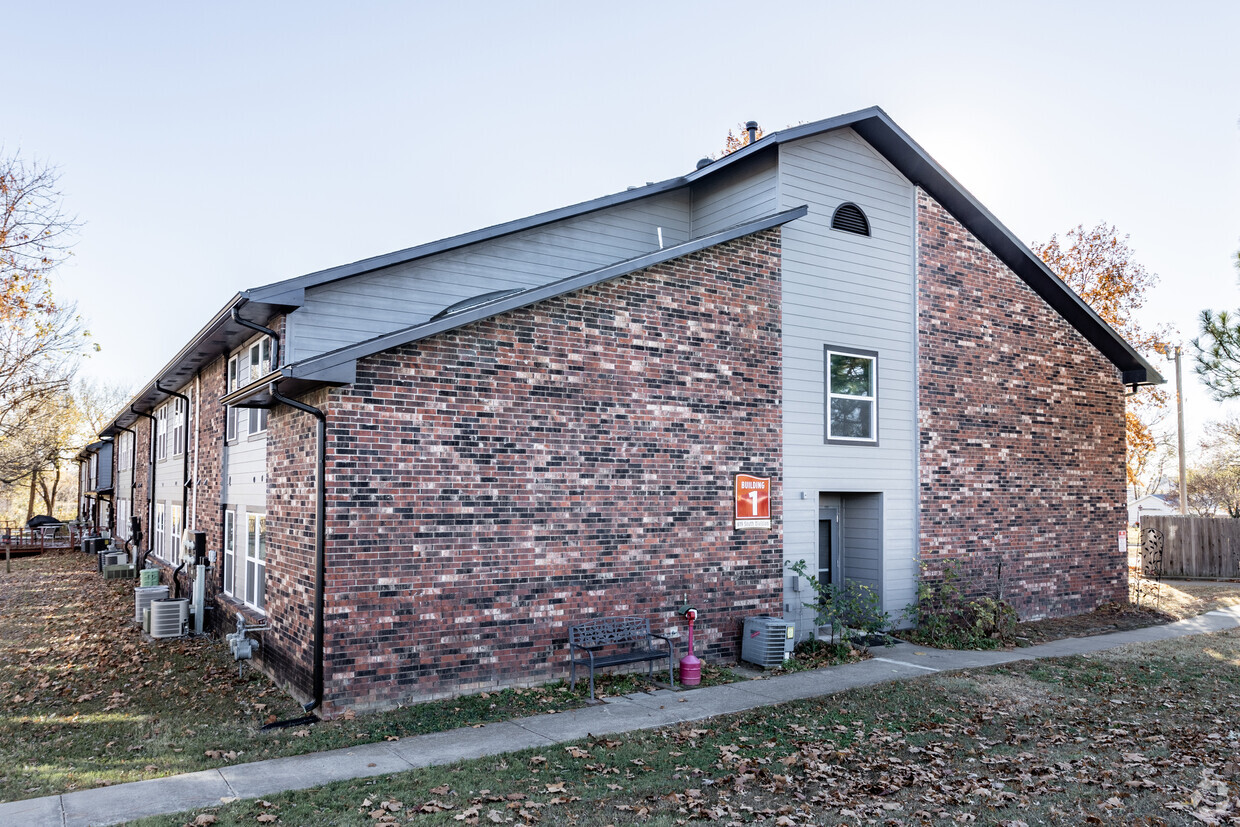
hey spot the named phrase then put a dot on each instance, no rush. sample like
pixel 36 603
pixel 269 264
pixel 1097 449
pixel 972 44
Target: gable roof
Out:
pixel 878 129
pixel 873 124
pixel 339 366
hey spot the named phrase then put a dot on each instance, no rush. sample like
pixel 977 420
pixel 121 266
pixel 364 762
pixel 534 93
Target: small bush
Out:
pixel 853 612
pixel 944 618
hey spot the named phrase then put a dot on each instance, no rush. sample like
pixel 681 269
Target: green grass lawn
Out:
pixel 1146 734
pixel 85 701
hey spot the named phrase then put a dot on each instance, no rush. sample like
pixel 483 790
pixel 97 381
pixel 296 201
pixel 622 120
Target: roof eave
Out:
pixel 215 339
pixel 898 147
pixel 334 365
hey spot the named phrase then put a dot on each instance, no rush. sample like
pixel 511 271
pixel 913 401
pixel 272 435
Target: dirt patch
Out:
pixel 1173 600
pixel 1008 690
pixel 1111 617
pixel 1188 598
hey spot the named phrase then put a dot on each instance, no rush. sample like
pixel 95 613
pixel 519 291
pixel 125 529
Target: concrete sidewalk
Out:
pixel 113 805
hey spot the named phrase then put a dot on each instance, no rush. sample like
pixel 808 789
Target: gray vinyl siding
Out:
pixel 849 291
pixel 355 309
pixel 245 472
pixel 737 194
pixel 245 456
pixel 862 522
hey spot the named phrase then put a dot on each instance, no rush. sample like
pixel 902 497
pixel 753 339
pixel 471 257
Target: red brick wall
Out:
pixel 141 470
pixel 493 485
pixel 207 465
pixel 291 471
pixel 1022 434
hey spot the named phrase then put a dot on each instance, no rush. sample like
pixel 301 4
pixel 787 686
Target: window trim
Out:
pixel 179 425
pixel 258 358
pixel 254 518
pixel 872 355
pixel 158 533
pixel 174 533
pixel 161 433
pixel 123 441
pixel 232 383
pixel 230 551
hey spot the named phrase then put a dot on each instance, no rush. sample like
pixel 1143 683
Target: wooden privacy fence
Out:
pixel 1197 546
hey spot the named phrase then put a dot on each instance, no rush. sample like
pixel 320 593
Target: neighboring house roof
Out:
pixel 1149 501
pixel 873 125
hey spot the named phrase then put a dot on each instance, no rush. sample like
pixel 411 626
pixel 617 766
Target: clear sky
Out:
pixel 212 147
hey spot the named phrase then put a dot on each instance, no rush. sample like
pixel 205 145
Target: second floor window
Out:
pixel 260 365
pixel 852 397
pixel 233 384
pixel 161 433
pixel 178 427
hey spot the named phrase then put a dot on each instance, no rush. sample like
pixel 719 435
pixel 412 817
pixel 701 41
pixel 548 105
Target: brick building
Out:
pixel 420 469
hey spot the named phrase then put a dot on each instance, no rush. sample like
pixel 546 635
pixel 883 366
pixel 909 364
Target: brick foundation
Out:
pixel 1022 434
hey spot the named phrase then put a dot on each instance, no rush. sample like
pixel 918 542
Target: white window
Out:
pixel 122 519
pixel 256 561
pixel 178 427
pixel 230 550
pixel 161 433
pixel 124 451
pixel 852 399
pixel 158 545
pixel 233 377
pixel 174 536
pixel 260 365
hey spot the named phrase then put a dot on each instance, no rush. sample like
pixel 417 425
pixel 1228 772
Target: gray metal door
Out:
pixel 830 550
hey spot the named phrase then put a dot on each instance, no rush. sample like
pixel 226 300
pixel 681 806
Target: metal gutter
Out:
pixel 216 338
pixel 275 338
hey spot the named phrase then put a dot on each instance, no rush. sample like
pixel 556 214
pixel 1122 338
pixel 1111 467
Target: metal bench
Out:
pixel 613 641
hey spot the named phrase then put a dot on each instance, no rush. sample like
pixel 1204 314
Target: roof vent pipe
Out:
pixel 752 126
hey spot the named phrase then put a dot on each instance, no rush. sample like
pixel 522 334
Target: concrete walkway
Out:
pixel 113 805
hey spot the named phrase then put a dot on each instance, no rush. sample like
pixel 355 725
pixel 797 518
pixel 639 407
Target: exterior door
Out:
pixel 830 550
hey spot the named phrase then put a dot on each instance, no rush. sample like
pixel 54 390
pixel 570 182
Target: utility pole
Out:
pixel 1179 415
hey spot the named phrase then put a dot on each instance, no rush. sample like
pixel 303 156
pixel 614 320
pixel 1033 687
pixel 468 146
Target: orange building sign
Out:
pixel 752 498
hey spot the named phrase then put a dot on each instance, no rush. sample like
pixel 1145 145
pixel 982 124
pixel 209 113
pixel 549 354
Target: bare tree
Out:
pixel 1213 482
pixel 39 357
pixel 41 341
pixel 35 236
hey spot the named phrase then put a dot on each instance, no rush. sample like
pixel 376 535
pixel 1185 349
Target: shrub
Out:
pixel 943 617
pixel 853 612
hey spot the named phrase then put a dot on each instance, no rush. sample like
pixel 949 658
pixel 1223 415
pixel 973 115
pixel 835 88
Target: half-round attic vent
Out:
pixel 850 219
pixel 475 301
